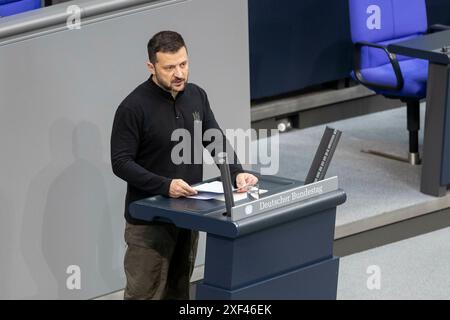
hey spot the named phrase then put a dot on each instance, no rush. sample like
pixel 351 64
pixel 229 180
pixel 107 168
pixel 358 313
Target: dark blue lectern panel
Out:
pixel 283 253
pixel 270 251
pixel 317 281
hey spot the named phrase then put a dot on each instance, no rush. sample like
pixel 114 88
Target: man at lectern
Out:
pixel 160 257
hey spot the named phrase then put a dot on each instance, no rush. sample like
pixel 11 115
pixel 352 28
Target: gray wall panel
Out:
pixel 60 204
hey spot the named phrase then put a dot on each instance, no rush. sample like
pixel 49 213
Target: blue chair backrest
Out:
pixel 384 22
pixel 9 8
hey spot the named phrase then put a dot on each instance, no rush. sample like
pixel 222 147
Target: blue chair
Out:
pixel 2 2
pixel 11 7
pixel 374 25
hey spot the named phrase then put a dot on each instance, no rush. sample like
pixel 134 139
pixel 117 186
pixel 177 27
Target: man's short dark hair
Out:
pixel 165 42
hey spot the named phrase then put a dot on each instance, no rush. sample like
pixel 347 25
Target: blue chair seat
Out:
pixel 415 75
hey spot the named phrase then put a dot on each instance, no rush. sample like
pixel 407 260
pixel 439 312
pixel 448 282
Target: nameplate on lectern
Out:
pixel 283 199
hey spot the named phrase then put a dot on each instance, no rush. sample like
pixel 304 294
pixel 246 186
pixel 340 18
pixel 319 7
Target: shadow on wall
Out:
pixel 68 218
pixel 6 254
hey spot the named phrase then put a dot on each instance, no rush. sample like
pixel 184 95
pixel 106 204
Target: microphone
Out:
pixel 226 182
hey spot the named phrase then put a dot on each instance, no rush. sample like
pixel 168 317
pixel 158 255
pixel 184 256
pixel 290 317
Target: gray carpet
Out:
pixel 379 190
pixel 415 268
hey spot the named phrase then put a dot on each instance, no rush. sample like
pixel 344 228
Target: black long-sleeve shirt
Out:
pixel 141 145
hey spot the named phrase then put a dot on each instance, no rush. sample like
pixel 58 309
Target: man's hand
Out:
pixel 179 188
pixel 244 180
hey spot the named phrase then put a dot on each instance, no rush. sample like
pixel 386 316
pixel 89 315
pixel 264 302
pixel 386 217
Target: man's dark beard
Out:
pixel 161 83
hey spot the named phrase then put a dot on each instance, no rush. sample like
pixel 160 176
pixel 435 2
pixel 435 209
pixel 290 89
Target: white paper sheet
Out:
pixel 211 187
pixel 221 197
pixel 205 196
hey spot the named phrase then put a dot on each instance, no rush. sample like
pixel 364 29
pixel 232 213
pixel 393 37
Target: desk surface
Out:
pixel 428 47
pixel 209 215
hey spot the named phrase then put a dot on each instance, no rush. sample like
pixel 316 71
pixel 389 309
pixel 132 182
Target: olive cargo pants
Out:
pixel 159 261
